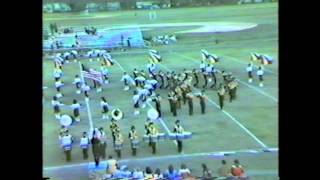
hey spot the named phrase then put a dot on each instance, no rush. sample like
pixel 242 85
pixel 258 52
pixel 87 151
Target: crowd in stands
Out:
pixel 226 172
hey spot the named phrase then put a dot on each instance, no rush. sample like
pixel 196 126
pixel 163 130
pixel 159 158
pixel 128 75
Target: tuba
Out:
pixel 116 114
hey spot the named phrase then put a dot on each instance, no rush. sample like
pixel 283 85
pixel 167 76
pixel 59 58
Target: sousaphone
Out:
pixel 116 114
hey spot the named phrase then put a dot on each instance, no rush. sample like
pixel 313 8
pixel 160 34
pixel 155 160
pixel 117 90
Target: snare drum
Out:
pixel 118 146
pixel 135 143
pixel 187 135
pixel 145 138
pixel 172 136
pixel 154 138
pixel 180 136
pixel 161 136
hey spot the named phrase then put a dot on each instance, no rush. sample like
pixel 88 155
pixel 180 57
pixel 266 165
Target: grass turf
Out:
pixel 214 131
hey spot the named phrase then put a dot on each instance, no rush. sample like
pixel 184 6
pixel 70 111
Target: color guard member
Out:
pixel 260 73
pixel 56 107
pixel 105 108
pixel 249 71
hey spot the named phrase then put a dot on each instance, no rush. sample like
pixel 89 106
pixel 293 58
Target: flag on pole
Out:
pixel 92 74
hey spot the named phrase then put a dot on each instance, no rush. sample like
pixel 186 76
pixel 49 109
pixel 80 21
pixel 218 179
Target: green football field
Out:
pixel 249 123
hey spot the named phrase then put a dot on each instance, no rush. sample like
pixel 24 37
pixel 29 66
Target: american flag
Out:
pixel 92 74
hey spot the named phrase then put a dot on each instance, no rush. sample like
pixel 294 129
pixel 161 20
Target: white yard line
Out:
pixel 161 121
pixel 248 85
pixel 87 102
pixel 215 153
pixel 230 116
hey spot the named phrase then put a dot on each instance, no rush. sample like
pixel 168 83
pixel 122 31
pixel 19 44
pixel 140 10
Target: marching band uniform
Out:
pixel 161 75
pixel 104 72
pixel 190 102
pixel 178 129
pixel 126 79
pixel 95 147
pixel 118 143
pixel 168 77
pixel 58 85
pixel 260 73
pixel 136 99
pixel 202 97
pixel 178 94
pixel 157 100
pixel 56 107
pixel 105 108
pixel 135 75
pixel 66 143
pixel 232 89
pixel 103 142
pixel 249 71
pixel 133 136
pixel 221 92
pixel 224 76
pixel 76 110
pixel 203 66
pixel 153 131
pixel 57 74
pixel 113 127
pixel 84 145
pixel 205 77
pixel 195 74
pixel 77 82
pixel 85 88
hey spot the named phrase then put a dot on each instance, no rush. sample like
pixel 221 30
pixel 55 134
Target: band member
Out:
pixel 57 74
pixel 178 94
pixel 76 110
pixel 232 86
pixel 152 69
pixel 84 145
pixel 190 102
pixel 260 73
pixel 103 142
pixel 105 73
pixel 153 131
pixel 249 71
pixel 133 136
pixel 173 101
pixel 213 75
pixel 77 82
pixel 224 76
pixel 178 129
pixel 161 76
pixel 66 143
pixel 85 89
pixel 113 128
pixel 118 143
pixel 105 108
pixel 205 77
pixel 56 107
pixel 157 100
pixel 135 75
pixel 168 78
pixel 126 79
pixel 221 92
pixel 62 131
pixel 203 66
pixel 195 75
pixel 136 99
pixel 202 98
pixel 58 84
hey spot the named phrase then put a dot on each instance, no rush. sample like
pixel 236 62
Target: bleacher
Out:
pixel 110 38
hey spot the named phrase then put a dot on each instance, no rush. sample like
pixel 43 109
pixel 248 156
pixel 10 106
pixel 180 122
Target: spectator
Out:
pixel 171 173
pixel 158 174
pixel 206 173
pixel 237 169
pixel 112 164
pixel 137 174
pixel 224 170
pixel 148 173
pixel 184 171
